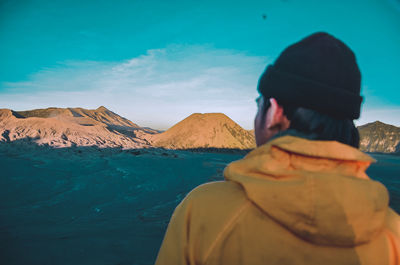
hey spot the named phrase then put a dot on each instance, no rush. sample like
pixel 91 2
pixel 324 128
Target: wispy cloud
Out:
pixel 156 89
pixel 164 86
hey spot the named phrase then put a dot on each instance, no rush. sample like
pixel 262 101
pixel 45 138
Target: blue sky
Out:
pixel 156 62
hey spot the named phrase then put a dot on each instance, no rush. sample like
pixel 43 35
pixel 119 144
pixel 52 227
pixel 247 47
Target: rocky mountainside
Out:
pixel 209 130
pixel 64 127
pixel 61 127
pixel 101 114
pixel 379 137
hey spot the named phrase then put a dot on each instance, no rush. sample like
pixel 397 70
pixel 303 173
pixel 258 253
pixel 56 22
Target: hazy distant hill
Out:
pixel 209 130
pixel 72 126
pixel 379 137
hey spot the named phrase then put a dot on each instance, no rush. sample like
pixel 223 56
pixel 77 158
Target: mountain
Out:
pixel 63 127
pixel 79 115
pixel 209 130
pixel 379 137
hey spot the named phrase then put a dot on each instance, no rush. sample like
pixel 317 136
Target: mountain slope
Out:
pixel 101 115
pixel 379 137
pixel 210 130
pixel 63 127
pixel 72 126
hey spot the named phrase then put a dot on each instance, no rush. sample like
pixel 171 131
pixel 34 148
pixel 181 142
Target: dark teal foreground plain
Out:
pixel 110 206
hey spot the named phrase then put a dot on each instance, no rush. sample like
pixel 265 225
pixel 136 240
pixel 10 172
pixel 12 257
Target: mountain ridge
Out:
pixel 379 137
pixel 65 127
pixel 207 130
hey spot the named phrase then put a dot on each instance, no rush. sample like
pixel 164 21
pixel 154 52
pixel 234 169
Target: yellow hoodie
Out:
pixel 290 201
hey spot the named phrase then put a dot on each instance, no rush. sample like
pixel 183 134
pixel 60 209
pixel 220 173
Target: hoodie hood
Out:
pixel 316 189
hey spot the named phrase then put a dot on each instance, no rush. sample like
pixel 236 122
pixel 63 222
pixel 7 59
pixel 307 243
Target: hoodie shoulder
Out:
pixel 214 209
pixel 217 197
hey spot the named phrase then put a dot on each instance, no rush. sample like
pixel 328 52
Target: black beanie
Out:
pixel 320 73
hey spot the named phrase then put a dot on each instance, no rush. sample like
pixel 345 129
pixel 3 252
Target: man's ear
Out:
pixel 276 118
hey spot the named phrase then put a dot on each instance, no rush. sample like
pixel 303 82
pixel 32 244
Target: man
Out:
pixel 302 196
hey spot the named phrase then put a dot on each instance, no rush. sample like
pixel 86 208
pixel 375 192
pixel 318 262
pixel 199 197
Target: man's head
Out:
pixel 312 88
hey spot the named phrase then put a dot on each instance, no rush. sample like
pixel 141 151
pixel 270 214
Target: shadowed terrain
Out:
pixel 85 205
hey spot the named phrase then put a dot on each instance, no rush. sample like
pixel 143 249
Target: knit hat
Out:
pixel 320 73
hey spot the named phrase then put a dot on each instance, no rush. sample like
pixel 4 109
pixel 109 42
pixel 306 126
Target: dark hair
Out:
pixel 319 126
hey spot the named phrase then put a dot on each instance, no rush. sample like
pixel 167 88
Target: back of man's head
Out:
pixel 317 82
